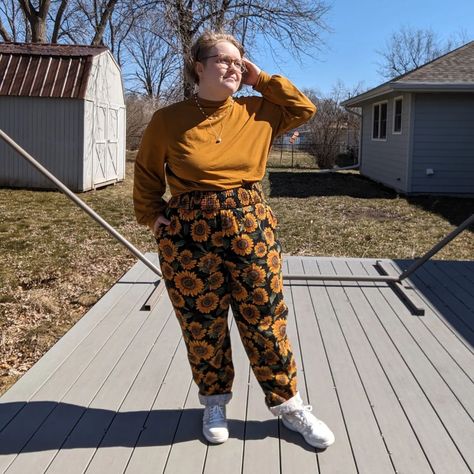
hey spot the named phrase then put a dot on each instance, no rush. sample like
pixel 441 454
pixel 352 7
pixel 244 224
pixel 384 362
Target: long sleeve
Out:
pixel 149 183
pixel 294 107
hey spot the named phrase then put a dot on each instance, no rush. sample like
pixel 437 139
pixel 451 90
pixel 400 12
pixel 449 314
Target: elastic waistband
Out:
pixel 212 200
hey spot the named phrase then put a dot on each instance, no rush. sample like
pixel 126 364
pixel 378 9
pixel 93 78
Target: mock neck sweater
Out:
pixel 180 144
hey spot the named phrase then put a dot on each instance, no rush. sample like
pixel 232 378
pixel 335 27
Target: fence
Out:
pixel 305 154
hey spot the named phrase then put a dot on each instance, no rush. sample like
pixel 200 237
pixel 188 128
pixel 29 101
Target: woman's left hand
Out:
pixel 250 76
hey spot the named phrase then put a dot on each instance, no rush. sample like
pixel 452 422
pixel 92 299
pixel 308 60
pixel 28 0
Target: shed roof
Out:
pixel 46 70
pixel 454 71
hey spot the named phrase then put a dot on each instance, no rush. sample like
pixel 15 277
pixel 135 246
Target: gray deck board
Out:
pixel 451 270
pixel 423 394
pixel 233 449
pixel 319 378
pixel 296 457
pixel 26 387
pixel 447 388
pixel 456 317
pixel 68 386
pixel 358 413
pixel 448 339
pixel 401 443
pixel 115 394
pixel 461 312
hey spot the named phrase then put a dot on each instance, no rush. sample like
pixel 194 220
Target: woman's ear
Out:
pixel 198 68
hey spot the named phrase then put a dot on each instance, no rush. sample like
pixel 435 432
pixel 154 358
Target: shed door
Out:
pixel 106 145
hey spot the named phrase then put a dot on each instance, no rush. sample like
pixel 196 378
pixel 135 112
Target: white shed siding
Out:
pixel 105 148
pixel 51 130
pixel 444 142
pixel 105 83
pixel 386 161
pixel 122 127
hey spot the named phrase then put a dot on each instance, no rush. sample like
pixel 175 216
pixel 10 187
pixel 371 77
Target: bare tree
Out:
pixel 333 128
pixel 410 48
pixel 75 21
pixel 12 14
pixel 41 21
pixel 157 67
pixel 97 14
pixel 140 108
pixel 295 24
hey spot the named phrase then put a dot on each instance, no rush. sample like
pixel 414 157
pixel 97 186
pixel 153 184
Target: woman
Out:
pixel 216 235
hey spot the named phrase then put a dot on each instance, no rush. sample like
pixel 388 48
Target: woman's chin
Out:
pixel 231 85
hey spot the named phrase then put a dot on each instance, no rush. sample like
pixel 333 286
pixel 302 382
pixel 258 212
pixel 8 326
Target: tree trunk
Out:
pixel 100 29
pixel 38 30
pixel 185 22
pixel 36 19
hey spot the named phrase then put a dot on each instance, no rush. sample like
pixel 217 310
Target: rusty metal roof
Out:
pixel 45 70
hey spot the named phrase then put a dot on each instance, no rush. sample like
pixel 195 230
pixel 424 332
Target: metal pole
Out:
pixel 436 248
pixel 387 278
pixel 281 150
pixel 81 203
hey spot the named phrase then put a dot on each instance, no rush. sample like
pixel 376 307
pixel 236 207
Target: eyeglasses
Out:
pixel 227 61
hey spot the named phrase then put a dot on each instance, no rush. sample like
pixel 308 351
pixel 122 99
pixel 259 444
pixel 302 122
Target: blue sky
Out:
pixel 361 28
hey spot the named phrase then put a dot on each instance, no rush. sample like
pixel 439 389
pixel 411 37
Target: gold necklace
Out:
pixel 217 135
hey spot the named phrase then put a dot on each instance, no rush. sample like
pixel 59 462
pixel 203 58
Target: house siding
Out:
pixel 444 142
pixel 51 130
pixel 386 161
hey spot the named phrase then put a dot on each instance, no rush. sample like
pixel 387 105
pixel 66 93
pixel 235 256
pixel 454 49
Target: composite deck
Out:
pixel 115 393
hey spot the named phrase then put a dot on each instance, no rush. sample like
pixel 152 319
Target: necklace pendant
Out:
pixel 218 139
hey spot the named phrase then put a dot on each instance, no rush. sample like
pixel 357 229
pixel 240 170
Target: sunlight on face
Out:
pixel 216 79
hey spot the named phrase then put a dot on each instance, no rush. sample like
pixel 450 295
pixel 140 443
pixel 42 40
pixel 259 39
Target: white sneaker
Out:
pixel 314 431
pixel 214 424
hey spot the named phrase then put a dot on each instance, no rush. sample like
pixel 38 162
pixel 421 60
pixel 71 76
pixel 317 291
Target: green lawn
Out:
pixel 56 261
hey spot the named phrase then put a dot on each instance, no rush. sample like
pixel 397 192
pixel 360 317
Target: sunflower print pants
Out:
pixel 220 250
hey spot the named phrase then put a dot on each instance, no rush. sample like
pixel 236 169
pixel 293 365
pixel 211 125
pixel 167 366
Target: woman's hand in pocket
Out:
pixel 160 220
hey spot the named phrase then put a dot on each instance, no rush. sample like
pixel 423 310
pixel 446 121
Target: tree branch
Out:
pixel 58 20
pixel 4 33
pixel 103 22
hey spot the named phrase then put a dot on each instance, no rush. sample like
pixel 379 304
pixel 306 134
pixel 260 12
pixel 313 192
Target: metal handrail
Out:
pixel 80 203
pixel 397 279
pixel 436 248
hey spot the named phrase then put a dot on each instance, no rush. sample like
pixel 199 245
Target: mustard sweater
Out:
pixel 179 143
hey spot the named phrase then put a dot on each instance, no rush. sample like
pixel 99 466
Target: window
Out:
pixel 380 121
pixel 397 116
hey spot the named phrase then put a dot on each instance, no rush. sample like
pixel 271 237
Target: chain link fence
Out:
pixel 304 155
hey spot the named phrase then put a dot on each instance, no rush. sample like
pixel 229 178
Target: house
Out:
pixel 64 105
pixel 417 132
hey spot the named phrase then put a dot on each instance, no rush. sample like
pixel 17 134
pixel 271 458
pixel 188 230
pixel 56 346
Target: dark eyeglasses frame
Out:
pixel 241 68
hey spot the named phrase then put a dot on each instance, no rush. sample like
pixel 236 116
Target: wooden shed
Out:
pixel 417 133
pixel 65 105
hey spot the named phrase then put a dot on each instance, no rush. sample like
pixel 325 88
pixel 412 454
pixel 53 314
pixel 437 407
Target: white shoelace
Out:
pixel 301 416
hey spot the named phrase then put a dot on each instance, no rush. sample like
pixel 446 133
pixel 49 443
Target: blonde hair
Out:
pixel 201 47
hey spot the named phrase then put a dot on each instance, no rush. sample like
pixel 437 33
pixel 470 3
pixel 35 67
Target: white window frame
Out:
pixel 395 132
pixel 379 104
